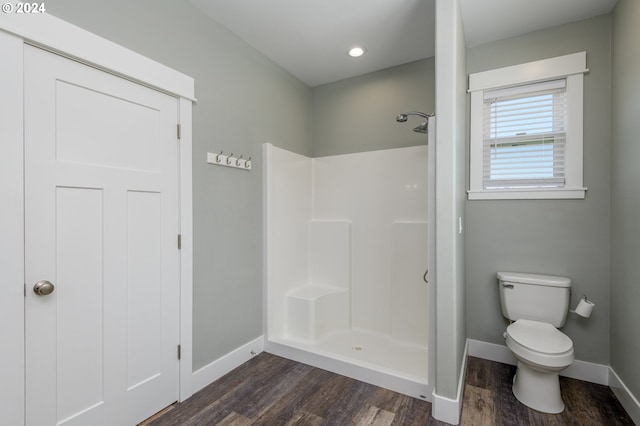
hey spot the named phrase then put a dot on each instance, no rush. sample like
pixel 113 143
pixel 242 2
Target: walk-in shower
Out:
pixel 422 127
pixel 346 244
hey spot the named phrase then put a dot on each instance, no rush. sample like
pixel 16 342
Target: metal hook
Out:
pixel 218 157
pixel 238 161
pixel 229 158
pixel 247 163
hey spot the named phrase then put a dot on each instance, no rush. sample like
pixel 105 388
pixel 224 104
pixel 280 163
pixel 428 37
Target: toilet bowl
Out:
pixel 542 351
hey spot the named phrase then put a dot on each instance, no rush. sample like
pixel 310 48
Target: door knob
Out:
pixel 43 288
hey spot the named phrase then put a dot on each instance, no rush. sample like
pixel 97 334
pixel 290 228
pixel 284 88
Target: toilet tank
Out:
pixel 534 297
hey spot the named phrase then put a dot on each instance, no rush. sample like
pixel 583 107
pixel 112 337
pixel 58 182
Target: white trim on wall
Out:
pixel 581 370
pixel 211 372
pixel 624 395
pixel 11 228
pixel 267 150
pixel 447 409
pixel 431 250
pixel 545 69
pixel 53 34
pixel 186 252
pixel 66 39
pixel 570 67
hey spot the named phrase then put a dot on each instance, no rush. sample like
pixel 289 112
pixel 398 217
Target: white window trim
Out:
pixel 572 67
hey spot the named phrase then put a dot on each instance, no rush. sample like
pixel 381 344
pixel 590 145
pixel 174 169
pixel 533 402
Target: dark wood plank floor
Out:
pixel 488 400
pixel 269 390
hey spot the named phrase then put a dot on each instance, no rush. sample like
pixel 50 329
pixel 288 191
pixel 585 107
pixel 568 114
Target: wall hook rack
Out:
pixel 221 159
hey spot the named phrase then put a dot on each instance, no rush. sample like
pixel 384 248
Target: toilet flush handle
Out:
pixel 507 285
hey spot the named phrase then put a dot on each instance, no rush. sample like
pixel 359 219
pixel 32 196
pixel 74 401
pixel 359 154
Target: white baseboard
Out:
pixel 218 368
pixel 581 370
pixel 624 395
pixel 491 351
pixel 447 409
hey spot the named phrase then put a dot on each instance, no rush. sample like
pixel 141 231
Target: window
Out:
pixel 524 137
pixel 526 134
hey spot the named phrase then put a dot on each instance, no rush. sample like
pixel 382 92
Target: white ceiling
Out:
pixel 310 39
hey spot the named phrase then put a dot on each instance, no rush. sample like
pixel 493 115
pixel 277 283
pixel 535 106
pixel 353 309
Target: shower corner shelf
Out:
pixel 229 161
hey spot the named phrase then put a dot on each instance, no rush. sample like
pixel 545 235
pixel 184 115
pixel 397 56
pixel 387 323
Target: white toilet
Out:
pixel 538 304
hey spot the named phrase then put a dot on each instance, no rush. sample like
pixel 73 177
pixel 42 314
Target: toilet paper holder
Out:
pixel 584 307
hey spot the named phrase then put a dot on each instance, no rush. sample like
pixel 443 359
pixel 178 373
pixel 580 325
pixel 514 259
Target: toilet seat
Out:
pixel 539 336
pixel 539 343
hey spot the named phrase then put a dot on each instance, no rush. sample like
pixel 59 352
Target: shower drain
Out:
pixel 358 348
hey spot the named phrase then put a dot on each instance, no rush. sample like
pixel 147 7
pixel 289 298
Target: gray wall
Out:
pixel 564 237
pixel 451 119
pixel 244 99
pixel 625 195
pixel 358 114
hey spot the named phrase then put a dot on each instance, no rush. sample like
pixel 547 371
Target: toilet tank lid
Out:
pixel 536 279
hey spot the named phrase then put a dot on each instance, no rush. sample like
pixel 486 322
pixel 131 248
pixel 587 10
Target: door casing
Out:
pixel 50 33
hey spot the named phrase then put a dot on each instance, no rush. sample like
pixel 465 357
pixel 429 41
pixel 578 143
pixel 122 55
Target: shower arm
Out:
pixel 401 118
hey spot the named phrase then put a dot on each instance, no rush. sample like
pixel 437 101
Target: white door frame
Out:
pixel 58 36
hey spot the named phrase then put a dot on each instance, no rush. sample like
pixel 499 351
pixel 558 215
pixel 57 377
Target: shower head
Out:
pixel 422 128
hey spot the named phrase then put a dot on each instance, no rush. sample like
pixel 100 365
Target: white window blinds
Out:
pixel 524 136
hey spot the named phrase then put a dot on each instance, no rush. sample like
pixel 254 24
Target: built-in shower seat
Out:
pixel 312 311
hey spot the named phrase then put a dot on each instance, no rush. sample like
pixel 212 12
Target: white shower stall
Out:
pixel 345 260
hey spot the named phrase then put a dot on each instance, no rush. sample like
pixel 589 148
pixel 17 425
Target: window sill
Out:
pixel 528 194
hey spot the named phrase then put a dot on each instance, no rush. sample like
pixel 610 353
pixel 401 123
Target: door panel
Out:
pixel 144 270
pixel 101 220
pixel 119 121
pixel 79 317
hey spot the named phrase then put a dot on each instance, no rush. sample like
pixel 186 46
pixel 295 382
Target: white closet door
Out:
pixel 101 225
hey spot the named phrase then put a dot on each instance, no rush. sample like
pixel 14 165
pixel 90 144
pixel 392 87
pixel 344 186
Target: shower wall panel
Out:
pixel 288 183
pixel 409 291
pixel 330 253
pixel 374 190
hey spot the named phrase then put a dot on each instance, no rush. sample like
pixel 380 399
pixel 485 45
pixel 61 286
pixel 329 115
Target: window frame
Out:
pixel 569 67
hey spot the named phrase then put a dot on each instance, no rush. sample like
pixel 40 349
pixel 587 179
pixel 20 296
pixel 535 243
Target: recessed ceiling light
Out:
pixel 356 52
